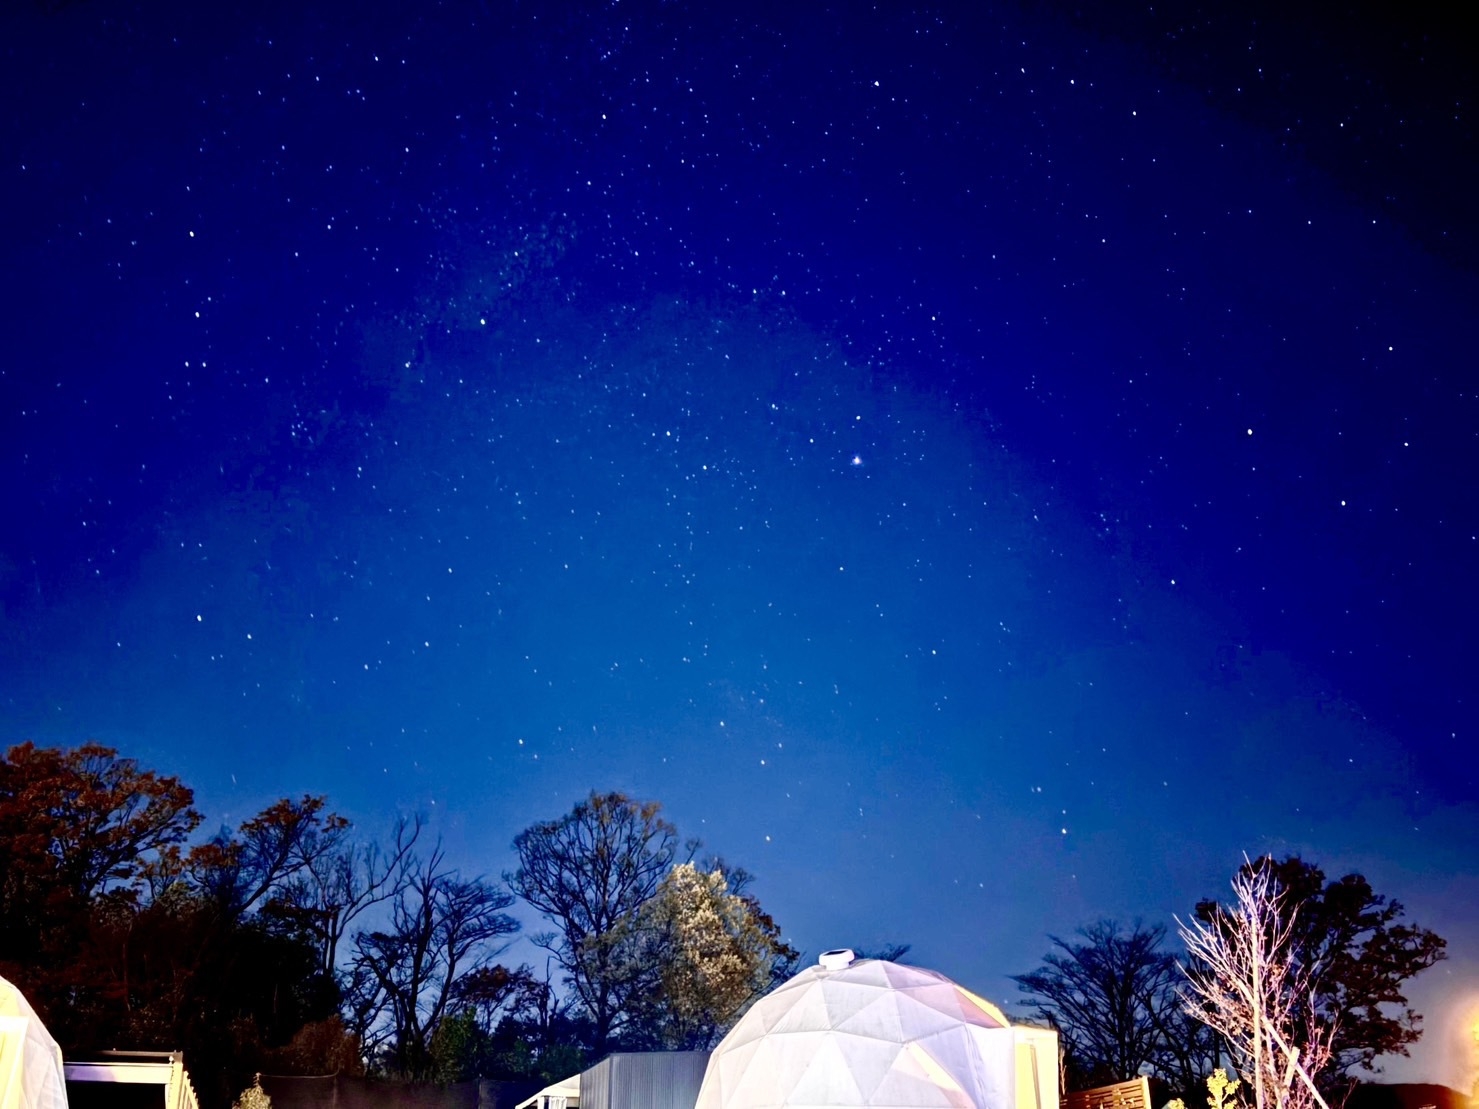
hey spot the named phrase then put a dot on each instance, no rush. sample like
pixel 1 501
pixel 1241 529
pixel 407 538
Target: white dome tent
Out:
pixel 874 1033
pixel 30 1061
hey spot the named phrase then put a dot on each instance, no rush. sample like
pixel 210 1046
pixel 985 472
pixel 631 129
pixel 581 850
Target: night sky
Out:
pixel 981 470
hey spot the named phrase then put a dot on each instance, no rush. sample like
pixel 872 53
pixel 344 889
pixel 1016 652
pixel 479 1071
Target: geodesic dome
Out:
pixel 30 1061
pixel 876 1033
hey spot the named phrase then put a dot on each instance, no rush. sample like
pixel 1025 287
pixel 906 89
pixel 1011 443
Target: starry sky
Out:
pixel 983 469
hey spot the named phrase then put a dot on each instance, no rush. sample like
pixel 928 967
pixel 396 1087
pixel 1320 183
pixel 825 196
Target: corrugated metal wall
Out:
pixel 644 1080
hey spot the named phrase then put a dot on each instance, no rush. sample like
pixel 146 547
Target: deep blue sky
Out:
pixel 981 473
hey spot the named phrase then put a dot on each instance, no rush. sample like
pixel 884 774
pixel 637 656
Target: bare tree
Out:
pixel 1358 952
pixel 403 981
pixel 1109 997
pixel 885 952
pixel 337 886
pixel 586 872
pixel 1189 1049
pixel 1248 984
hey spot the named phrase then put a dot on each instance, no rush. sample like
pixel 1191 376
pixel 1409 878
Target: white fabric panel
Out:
pixel 30 1062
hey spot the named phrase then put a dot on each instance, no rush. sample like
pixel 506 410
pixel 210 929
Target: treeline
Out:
pixel 289 945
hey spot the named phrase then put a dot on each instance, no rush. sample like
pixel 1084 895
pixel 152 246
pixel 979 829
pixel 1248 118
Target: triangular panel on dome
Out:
pixel 774 1069
pixel 880 1019
pixel 759 1083
pixel 736 1064
pixel 954 1003
pixel 805 1011
pixel 916 1079
pixel 980 1059
pixel 975 1002
pixel 844 999
pixel 826 1078
pixel 869 1061
pixel 762 1017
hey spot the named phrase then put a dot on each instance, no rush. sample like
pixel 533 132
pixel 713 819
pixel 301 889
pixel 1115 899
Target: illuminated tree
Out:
pixel 1252 985
pixel 1356 954
pixel 710 952
pixel 253 1097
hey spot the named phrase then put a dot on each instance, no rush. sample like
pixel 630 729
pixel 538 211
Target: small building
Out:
pixel 564 1094
pixel 130 1080
pixel 644 1080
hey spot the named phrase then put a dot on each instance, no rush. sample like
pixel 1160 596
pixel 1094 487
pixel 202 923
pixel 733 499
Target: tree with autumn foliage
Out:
pixel 79 830
pixel 122 935
pixel 240 870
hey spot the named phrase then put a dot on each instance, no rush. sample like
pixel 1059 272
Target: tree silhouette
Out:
pixel 406 979
pixel 587 872
pixel 76 825
pixel 1110 997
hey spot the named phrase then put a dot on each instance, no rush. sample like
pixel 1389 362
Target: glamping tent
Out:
pixel 30 1061
pixel 874 1033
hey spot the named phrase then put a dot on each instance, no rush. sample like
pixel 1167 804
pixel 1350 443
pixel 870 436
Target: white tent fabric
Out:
pixel 31 1074
pixel 867 1033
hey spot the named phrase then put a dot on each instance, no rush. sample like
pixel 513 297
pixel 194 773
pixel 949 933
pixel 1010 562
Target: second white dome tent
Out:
pixel 873 1033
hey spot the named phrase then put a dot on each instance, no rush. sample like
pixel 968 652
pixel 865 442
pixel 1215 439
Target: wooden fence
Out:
pixel 1134 1094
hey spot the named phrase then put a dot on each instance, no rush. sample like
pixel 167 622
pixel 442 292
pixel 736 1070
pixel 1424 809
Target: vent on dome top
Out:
pixel 836 960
